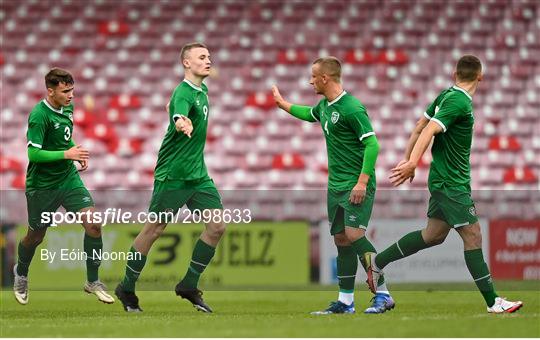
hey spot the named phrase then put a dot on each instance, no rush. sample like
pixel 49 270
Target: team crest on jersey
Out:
pixel 56 125
pixel 335 117
pixel 70 116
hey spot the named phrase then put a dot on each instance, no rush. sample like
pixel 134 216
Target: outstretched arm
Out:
pixel 406 170
pixel 299 111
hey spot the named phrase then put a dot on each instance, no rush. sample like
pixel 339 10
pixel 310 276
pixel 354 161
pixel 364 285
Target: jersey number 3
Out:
pixel 67 133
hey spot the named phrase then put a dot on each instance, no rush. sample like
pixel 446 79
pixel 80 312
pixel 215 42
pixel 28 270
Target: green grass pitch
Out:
pixel 435 312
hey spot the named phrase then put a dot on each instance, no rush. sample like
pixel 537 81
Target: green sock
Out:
pixel 480 273
pixel 25 256
pixel 362 246
pixel 347 263
pixel 92 246
pixel 407 245
pixel 134 266
pixel 202 254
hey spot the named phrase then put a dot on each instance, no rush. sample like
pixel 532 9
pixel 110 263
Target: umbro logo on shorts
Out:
pixel 352 218
pixel 472 211
pixel 86 199
pixel 56 125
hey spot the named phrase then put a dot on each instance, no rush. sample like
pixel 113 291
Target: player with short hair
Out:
pixel 52 180
pixel 181 178
pixel 450 120
pixel 352 152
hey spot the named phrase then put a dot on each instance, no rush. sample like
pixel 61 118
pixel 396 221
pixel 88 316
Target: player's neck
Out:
pixel 470 87
pixel 194 79
pixel 52 103
pixel 333 92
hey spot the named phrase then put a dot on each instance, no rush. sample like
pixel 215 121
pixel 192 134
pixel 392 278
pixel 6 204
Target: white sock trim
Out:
pixel 346 298
pixel 481 278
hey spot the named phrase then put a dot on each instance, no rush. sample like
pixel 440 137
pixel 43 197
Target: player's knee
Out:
pixel 341 240
pixel 156 231
pixel 436 239
pixel 439 239
pixel 217 229
pixel 33 240
pixel 93 229
pixel 354 234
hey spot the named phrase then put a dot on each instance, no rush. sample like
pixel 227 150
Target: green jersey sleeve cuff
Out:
pixel 365 135
pixel 177 116
pixel 426 115
pixel 312 115
pixel 440 123
pixel 30 143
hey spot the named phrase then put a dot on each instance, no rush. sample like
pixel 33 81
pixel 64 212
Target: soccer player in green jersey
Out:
pixel 181 178
pixel 52 180
pixel 450 120
pixel 352 152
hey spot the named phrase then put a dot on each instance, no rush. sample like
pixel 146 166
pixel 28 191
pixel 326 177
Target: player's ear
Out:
pixel 50 91
pixel 480 76
pixel 454 76
pixel 185 63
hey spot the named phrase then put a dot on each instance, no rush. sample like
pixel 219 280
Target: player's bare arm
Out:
pixel 420 125
pixel 406 170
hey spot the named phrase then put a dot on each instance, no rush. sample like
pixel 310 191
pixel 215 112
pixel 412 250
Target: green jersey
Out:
pixel 49 129
pixel 345 124
pixel 451 150
pixel 181 157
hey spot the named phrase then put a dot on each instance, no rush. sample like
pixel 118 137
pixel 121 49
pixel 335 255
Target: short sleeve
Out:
pixel 431 110
pixel 181 104
pixel 449 110
pixel 360 124
pixel 37 126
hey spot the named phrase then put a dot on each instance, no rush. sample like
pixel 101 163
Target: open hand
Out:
pixel 402 172
pixel 183 124
pixel 77 153
pixel 358 193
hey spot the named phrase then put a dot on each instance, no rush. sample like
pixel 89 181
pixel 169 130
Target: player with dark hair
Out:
pixel 52 180
pixel 181 178
pixel 352 152
pixel 450 120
